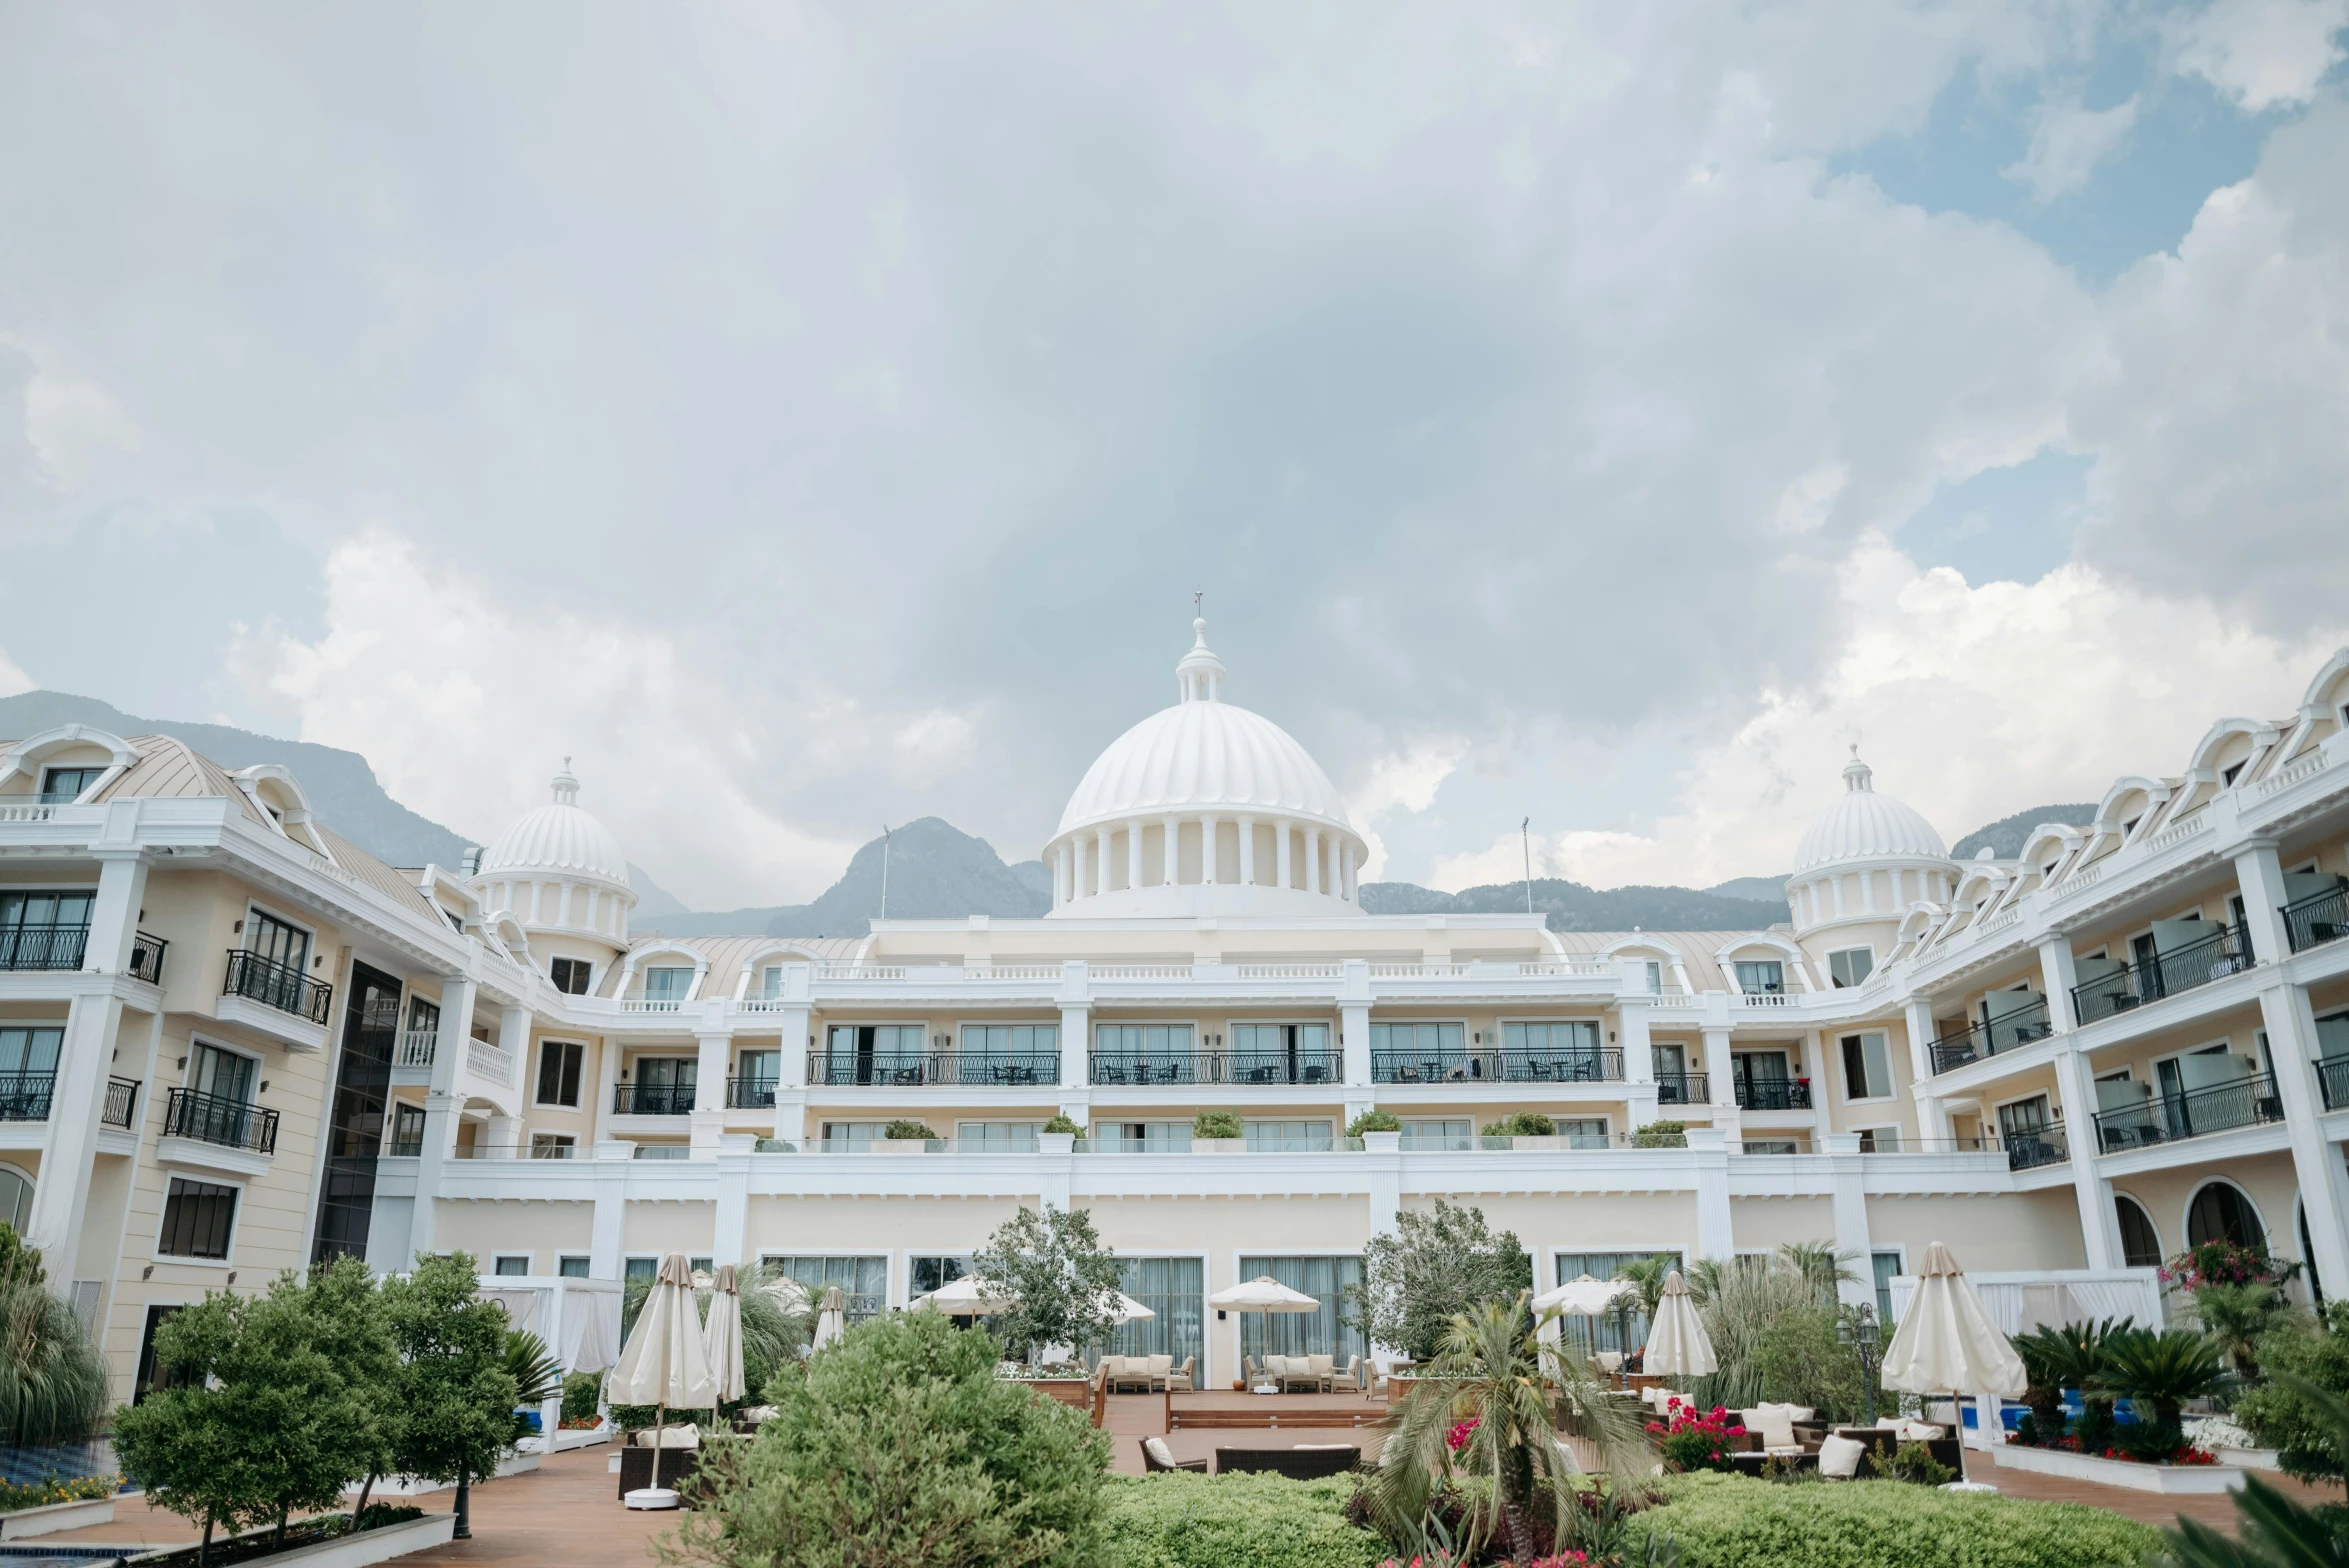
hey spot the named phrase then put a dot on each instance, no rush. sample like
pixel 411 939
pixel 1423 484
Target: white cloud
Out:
pixel 2261 52
pixel 1399 782
pixel 1970 703
pixel 466 703
pixel 2067 143
pixel 13 679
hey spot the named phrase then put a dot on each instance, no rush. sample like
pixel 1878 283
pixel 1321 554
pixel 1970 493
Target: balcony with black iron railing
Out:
pixel 652 1099
pixel 1305 1065
pixel 2317 919
pixel 212 1118
pixel 2173 1118
pixel 1496 1066
pixel 917 1069
pixel 147 958
pixel 43 947
pixel 2028 1148
pixel 25 1097
pixel 277 985
pixel 122 1103
pixel 2224 952
pixel 2332 1074
pixel 1683 1089
pixel 750 1094
pixel 1773 1094
pixel 2007 1032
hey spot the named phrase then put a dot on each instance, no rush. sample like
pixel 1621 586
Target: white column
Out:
pixel 2057 975
pixel 1101 858
pixel 2316 1160
pixel 441 1105
pixel 1708 1150
pixel 69 1141
pixel 1932 1111
pixel 1059 877
pixel 714 1052
pixel 2100 1226
pixel 611 1213
pixel 1354 1042
pixel 1282 873
pixel 1247 827
pixel 2260 876
pixel 1134 853
pixel 791 1080
pixel 1083 847
pixel 1313 860
pixel 114 913
pixel 1210 854
pixel 1851 1215
pixel 1720 1079
pixel 1347 888
pixel 730 1235
pixel 607 1071
pixel 1174 851
pixel 1076 1048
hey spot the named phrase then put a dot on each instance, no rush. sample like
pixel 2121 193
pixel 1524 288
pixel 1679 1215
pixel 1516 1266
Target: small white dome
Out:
pixel 1201 754
pixel 560 839
pixel 1863 825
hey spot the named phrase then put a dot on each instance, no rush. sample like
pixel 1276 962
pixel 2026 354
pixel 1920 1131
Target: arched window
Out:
pixel 16 1198
pixel 2220 1212
pixel 2140 1242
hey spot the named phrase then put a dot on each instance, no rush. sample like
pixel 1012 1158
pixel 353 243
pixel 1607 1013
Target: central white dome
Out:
pixel 1201 809
pixel 560 839
pixel 1863 825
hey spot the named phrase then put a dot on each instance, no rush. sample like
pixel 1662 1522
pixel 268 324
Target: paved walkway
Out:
pixel 566 1512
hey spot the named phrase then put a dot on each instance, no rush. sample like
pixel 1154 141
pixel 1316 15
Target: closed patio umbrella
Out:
pixel 664 1365
pixel 1677 1344
pixel 1948 1345
pixel 722 1338
pixel 831 1320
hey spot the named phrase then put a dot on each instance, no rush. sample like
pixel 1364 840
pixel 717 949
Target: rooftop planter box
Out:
pixel 2168 1480
pixel 378 1545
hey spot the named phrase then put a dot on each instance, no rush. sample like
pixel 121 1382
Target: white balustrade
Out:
pixel 491 1062
pixel 415 1048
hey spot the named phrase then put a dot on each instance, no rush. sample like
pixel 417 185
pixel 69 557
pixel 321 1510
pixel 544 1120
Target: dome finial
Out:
pixel 1200 674
pixel 1857 774
pixel 565 786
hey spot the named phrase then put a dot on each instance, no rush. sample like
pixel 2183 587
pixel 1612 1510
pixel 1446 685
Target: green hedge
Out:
pixel 1234 1521
pixel 1724 1521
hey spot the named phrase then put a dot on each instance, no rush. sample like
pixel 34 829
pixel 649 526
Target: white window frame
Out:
pixel 2055 1107
pixel 254 906
pixel 496 1258
pixel 1891 1094
pixel 236 1219
pixel 187 1074
pixel 562 1258
pixel 557 1105
pixel 565 958
pixel 1868 948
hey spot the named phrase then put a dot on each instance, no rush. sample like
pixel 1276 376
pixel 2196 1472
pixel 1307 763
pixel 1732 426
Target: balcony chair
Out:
pixel 1156 1456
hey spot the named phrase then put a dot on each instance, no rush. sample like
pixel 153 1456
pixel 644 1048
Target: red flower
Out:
pixel 1457 1438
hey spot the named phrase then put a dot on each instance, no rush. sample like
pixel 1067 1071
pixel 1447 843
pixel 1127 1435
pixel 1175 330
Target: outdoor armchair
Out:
pixel 1157 1456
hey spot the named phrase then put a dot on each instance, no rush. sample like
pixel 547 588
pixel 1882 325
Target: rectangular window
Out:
pixel 1766 977
pixel 1421 1053
pixel 1886 1265
pixel 44 930
pixel 571 1266
pixel 863 1282
pixel 1172 1288
pixel 759 1072
pixel 1564 1050
pixel 1009 1039
pixel 667 984
pixel 572 976
pixel 1851 966
pixel 1299 1137
pixel 150 1376
pixel 924 1274
pixel 646 1269
pixel 225 1075
pixel 1142 1137
pixel 1771 1146
pixel 701 1265
pixel 64 786
pixel 271 938
pixel 664 1151
pixel 513 1264
pixel 423 1016
pixel 1583 1132
pixel 1451 1134
pixel 197 1217
pixel 407 1129
pixel 1615 1331
pixel 552 1146
pixel 29 1053
pixel 1879 1140
pixel 558 1071
pixel 1326 1332
pixel 1867 1067
pixel 997 1137
pixel 771 982
pixel 849 1137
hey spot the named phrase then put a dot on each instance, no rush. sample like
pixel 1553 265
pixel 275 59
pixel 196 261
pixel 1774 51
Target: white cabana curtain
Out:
pixel 2018 1303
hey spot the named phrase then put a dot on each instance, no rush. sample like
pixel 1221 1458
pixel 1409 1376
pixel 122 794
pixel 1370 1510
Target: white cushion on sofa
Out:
pixel 1840 1457
pixel 1773 1423
pixel 1159 1366
pixel 1321 1366
pixel 1920 1431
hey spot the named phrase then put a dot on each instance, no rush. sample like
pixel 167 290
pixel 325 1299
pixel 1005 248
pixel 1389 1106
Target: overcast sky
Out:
pixel 811 417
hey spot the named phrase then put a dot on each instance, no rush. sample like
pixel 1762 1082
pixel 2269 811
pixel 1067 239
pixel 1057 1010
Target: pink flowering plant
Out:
pixel 1692 1439
pixel 2224 1263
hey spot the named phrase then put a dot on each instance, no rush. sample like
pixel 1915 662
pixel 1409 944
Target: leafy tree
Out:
pixel 1436 1264
pixel 900 1448
pixel 1647 1277
pixel 452 1401
pixel 907 1130
pixel 1060 1280
pixel 1063 1123
pixel 2298 1356
pixel 272 1409
pixel 2236 1314
pixel 1494 1404
pixel 52 1379
pixel 1522 1124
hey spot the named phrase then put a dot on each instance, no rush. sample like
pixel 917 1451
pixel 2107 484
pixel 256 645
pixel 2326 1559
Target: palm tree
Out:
pixel 1647 1275
pixel 2163 1370
pixel 1820 1266
pixel 1497 1402
pixel 2236 1315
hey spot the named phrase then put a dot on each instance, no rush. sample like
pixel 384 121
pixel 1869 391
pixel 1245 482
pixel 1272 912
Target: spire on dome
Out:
pixel 1857 774
pixel 566 787
pixel 1200 674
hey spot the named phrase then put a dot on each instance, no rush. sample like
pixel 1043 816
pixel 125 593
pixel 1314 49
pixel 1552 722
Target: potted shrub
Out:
pixel 1526 1130
pixel 1218 1132
pixel 1382 1130
pixel 1059 1136
pixel 1661 1135
pixel 900 1132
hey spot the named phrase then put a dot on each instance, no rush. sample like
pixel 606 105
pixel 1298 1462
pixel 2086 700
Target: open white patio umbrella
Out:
pixel 962 1299
pixel 1948 1345
pixel 831 1320
pixel 1262 1294
pixel 721 1338
pixel 663 1365
pixel 1125 1309
pixel 1585 1297
pixel 1677 1345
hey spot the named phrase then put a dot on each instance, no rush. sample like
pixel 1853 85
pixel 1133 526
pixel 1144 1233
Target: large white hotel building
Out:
pixel 231 1042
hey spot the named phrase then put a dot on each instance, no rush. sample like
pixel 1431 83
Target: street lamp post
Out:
pixel 1857 1330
